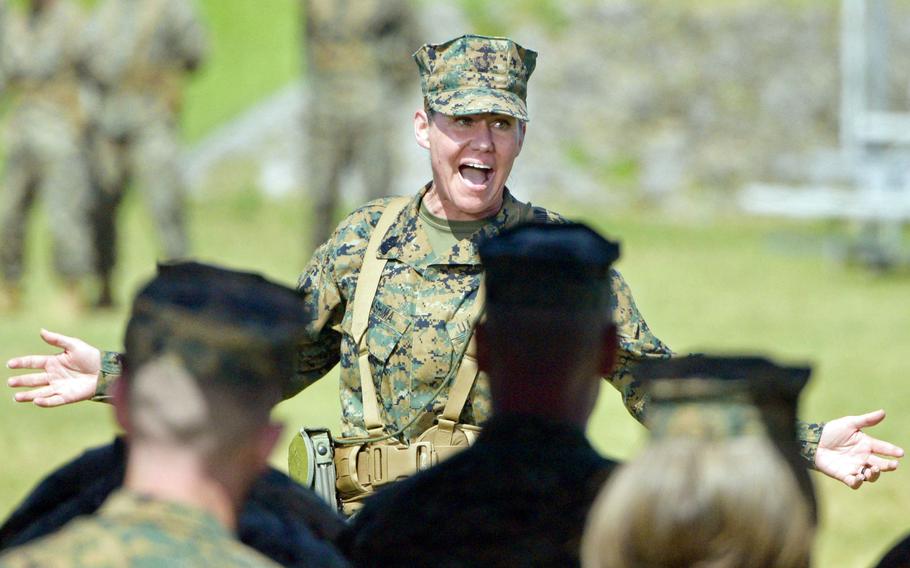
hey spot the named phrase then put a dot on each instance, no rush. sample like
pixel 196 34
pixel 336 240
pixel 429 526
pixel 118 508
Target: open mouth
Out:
pixel 475 174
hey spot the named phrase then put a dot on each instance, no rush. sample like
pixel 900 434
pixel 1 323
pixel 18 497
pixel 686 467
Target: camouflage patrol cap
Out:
pixel 475 74
pixel 562 266
pixel 222 325
pixel 720 397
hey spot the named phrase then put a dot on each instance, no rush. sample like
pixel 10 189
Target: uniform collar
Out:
pixel 124 503
pixel 407 242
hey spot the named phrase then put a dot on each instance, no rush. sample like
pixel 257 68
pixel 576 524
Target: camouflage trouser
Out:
pixel 44 157
pixel 336 140
pixel 150 157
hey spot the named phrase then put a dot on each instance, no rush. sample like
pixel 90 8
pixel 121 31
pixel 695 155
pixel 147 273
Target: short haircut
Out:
pixel 209 353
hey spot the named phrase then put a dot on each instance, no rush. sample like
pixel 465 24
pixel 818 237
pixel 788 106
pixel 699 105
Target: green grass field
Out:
pixel 714 286
pixel 717 287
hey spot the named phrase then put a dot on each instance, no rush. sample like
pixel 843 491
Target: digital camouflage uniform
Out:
pixel 420 318
pixel 41 51
pixel 142 50
pixel 520 495
pixel 356 53
pixel 420 321
pixel 135 530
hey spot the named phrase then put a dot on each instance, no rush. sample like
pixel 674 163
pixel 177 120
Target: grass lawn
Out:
pixel 705 287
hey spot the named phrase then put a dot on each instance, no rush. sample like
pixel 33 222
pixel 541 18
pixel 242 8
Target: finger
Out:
pixel 884 448
pixel 29 396
pixel 64 342
pixel 28 362
pixel 872 473
pixel 50 401
pixel 853 481
pixel 31 380
pixel 869 419
pixel 883 464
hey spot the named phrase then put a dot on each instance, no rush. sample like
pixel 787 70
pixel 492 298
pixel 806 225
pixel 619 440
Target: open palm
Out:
pixel 850 455
pixel 64 378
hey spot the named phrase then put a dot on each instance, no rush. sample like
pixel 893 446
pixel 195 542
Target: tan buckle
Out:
pixel 424 455
pixel 390 463
pixel 379 465
pixel 347 481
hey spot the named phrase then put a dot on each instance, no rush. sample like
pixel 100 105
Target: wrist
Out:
pixel 110 370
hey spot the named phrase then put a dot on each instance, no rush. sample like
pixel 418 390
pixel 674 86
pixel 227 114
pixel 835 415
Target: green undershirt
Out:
pixel 443 234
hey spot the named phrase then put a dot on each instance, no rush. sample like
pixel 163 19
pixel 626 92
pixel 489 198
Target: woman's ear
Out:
pixel 422 128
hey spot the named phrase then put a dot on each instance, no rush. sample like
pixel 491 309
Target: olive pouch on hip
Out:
pixel 311 462
pixel 345 472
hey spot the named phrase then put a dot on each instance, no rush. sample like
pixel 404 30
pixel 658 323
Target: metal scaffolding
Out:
pixel 874 147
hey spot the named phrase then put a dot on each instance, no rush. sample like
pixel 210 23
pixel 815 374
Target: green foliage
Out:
pixel 618 172
pixel 254 51
pixel 480 17
pixel 500 18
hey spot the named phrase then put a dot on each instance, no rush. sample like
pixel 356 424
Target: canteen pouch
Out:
pixel 310 463
pixel 361 469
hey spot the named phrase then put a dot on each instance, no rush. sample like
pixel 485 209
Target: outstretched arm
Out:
pixel 63 378
pixel 848 454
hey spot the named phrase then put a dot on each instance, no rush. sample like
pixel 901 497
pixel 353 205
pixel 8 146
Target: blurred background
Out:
pixel 750 156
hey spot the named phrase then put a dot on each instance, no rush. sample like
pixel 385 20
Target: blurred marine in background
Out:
pixel 42 51
pixel 356 53
pixel 141 52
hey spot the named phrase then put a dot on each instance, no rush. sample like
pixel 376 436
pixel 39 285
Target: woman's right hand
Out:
pixel 64 378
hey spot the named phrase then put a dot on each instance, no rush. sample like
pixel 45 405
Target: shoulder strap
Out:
pixel 467 370
pixel 367 283
pixel 464 380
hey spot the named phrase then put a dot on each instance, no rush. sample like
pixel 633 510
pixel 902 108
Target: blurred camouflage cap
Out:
pixel 721 397
pixel 475 74
pixel 548 265
pixel 236 328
